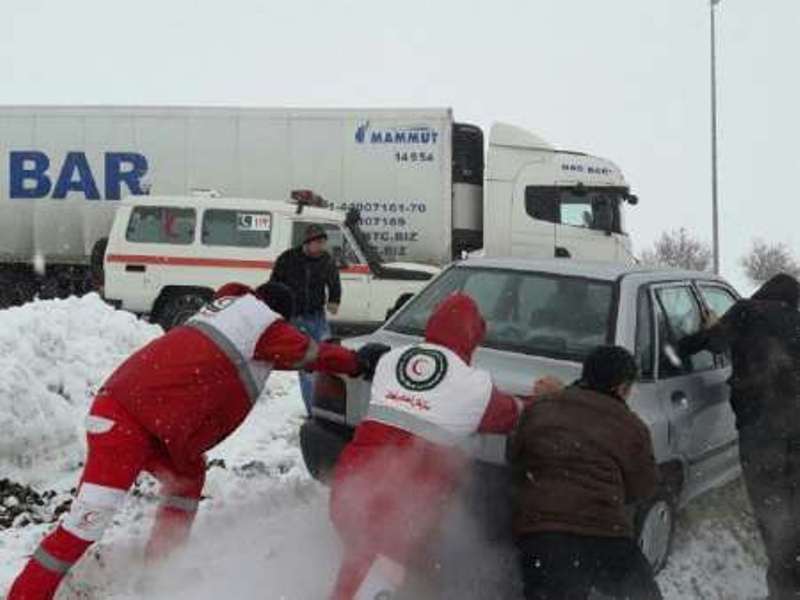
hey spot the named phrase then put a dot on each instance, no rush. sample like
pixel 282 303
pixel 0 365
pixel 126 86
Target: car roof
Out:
pixel 607 271
pixel 283 207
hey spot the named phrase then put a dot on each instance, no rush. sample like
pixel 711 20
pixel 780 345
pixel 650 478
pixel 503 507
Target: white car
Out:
pixel 167 255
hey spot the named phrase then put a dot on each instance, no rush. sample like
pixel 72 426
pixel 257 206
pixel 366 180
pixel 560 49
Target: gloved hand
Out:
pixel 368 357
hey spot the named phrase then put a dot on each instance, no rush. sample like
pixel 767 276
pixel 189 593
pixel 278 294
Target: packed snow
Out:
pixel 262 531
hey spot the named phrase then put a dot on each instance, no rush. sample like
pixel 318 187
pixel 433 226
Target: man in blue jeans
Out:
pixel 311 273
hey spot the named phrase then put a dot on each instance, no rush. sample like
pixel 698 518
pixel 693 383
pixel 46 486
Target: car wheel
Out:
pixel 655 526
pixel 179 308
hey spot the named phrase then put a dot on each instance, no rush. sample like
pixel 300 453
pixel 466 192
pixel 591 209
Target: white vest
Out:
pixel 235 325
pixel 427 390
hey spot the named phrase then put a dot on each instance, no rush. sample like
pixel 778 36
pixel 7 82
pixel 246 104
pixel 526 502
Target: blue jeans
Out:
pixel 315 326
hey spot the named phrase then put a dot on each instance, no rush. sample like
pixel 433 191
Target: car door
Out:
pixel 354 275
pixel 696 393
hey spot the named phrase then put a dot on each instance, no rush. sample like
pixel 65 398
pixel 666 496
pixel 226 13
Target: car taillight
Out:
pixel 330 393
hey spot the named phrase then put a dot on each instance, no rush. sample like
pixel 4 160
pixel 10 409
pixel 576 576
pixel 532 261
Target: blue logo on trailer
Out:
pixel 415 135
pixel 30 178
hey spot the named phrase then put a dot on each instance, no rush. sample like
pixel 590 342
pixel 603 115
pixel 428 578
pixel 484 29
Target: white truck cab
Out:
pixel 166 255
pixel 542 202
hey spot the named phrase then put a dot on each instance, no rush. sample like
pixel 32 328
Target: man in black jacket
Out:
pixel 763 337
pixel 310 272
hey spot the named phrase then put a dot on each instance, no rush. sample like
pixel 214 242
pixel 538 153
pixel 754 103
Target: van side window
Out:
pixel 244 229
pixel 161 225
pixel 679 315
pixel 645 350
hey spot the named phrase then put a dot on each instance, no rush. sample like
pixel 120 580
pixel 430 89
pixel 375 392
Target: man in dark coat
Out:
pixel 311 273
pixel 762 335
pixel 579 456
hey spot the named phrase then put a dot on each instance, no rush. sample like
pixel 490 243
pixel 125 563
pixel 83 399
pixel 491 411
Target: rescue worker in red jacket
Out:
pixel 392 483
pixel 164 407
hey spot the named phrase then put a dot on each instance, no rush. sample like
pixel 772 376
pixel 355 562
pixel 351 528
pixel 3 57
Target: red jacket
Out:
pixel 188 393
pixel 390 485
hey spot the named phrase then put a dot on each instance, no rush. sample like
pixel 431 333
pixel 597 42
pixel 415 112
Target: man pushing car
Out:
pixel 166 406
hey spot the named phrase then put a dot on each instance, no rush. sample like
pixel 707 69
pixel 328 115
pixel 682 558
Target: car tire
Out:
pixel 178 307
pixel 655 529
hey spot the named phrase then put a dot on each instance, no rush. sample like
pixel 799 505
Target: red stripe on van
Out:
pixel 224 263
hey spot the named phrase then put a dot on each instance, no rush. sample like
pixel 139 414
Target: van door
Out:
pixel 696 392
pixel 240 244
pixel 355 275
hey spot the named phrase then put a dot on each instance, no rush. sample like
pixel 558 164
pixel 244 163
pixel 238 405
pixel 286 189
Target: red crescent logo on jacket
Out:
pixel 420 369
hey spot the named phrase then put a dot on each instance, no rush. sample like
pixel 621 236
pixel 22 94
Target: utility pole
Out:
pixel 714 175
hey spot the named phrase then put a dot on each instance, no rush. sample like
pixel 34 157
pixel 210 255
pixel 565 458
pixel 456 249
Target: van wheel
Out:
pixel 179 307
pixel 655 527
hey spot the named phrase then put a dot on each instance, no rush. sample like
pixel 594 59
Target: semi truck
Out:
pixel 427 187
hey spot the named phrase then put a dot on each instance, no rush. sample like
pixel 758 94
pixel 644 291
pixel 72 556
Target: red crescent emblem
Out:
pixel 414 367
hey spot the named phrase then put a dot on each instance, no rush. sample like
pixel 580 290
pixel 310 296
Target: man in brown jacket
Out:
pixel 579 456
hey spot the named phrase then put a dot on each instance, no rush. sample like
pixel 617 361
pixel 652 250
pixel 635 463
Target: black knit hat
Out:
pixel 314 232
pixel 278 297
pixel 608 367
pixel 781 288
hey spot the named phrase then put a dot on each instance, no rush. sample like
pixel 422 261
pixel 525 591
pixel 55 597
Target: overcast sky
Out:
pixel 625 79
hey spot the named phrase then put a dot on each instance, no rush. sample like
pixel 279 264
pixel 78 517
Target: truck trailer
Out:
pixel 427 188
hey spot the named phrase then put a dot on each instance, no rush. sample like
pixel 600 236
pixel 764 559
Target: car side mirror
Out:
pixel 401 301
pixel 340 261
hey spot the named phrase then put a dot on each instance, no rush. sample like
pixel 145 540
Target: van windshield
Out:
pixel 353 224
pixel 531 313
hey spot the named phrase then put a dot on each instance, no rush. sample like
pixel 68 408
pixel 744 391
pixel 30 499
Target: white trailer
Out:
pixel 417 177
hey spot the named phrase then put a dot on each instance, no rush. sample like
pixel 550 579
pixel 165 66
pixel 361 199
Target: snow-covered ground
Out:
pixel 263 530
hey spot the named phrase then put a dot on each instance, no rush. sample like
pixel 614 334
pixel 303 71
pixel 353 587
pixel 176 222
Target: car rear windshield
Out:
pixel 532 313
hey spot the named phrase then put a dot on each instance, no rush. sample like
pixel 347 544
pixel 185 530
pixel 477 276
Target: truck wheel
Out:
pixel 655 527
pixel 179 307
pixel 96 263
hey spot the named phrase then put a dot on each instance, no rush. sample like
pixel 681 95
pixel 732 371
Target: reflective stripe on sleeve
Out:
pixel 241 362
pixel 50 562
pixel 412 424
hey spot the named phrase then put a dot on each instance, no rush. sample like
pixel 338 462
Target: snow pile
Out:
pixel 53 356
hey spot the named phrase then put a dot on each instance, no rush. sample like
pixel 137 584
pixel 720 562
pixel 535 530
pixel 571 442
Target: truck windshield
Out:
pixel 530 313
pixel 591 208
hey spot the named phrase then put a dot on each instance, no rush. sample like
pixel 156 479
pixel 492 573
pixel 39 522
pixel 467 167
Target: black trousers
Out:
pixel 559 566
pixel 771 471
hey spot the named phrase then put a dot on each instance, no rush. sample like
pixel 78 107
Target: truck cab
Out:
pixel 542 202
pixel 167 255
